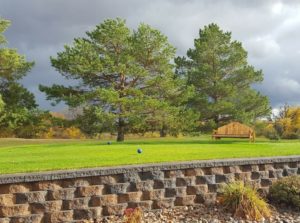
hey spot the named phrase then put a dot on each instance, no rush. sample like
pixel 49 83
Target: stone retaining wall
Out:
pixel 77 196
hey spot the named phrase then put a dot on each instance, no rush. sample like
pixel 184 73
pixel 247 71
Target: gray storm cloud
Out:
pixel 269 30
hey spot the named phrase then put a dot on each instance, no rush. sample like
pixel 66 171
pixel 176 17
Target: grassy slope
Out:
pixel 37 155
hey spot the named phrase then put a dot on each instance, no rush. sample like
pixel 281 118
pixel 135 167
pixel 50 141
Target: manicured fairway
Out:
pixel 40 155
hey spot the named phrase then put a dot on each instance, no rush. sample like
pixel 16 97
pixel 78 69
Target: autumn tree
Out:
pixel 287 123
pixel 121 74
pixel 217 67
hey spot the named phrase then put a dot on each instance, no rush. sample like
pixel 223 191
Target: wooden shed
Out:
pixel 234 130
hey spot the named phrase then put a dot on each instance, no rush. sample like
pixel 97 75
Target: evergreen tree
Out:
pixel 19 102
pixel 218 69
pixel 122 75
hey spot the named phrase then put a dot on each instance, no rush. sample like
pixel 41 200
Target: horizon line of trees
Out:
pixel 131 81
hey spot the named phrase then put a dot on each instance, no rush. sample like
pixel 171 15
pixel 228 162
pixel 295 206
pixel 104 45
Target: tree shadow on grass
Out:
pixel 183 142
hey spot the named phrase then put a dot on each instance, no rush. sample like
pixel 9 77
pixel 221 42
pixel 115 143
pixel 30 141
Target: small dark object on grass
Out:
pixel 108 143
pixel 139 150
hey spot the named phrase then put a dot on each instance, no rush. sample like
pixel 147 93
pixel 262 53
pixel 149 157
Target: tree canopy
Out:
pixel 218 69
pixel 121 74
pixel 19 102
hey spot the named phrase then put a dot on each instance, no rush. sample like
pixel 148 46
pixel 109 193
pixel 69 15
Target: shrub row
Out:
pixel 244 201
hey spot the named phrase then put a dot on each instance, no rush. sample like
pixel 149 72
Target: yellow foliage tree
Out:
pixel 288 124
pixel 72 133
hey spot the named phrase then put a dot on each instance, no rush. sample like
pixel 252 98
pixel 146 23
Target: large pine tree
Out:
pixel 218 69
pixel 125 76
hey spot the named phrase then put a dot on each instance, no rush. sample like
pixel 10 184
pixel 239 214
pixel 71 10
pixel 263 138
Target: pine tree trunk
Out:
pixel 163 131
pixel 217 121
pixel 121 130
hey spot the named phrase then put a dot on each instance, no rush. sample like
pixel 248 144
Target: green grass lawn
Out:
pixel 40 155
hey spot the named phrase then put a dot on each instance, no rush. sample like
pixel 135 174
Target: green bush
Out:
pixel 259 127
pixel 291 135
pixel 287 191
pixel 271 133
pixel 244 202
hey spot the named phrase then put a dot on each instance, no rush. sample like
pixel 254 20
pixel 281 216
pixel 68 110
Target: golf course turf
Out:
pixel 17 156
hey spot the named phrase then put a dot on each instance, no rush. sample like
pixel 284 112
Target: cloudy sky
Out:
pixel 269 30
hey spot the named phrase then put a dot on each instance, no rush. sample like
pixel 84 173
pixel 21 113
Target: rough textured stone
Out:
pixel 185 201
pixel 246 168
pixel 145 205
pixel 46 185
pixel 279 165
pixel 217 170
pixel 157 175
pixel 62 194
pixel 47 206
pixel 130 197
pixel 207 179
pixel 207 170
pixel 269 167
pixel 170 192
pixel 132 177
pixel 108 180
pixel 114 209
pixel 60 216
pixel 87 214
pixel 35 218
pixel 7 199
pixel 212 188
pixel 259 175
pixel 14 210
pixel 88 191
pixel 225 178
pixel 185 181
pixel 81 182
pixel 18 188
pixel 193 172
pixel 145 185
pixel 277 173
pixel 197 189
pixel 175 192
pixel 166 183
pixel 292 165
pixel 210 198
pixel 290 171
pixel 31 197
pixel 4 220
pixel 119 188
pixel 104 200
pixel 76 203
pixel 163 203
pixel 234 169
pixel 246 176
pixel 207 198
pixel 154 194
pixel 173 173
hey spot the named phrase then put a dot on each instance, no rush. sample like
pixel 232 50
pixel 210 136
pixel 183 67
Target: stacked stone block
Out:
pixel 85 196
